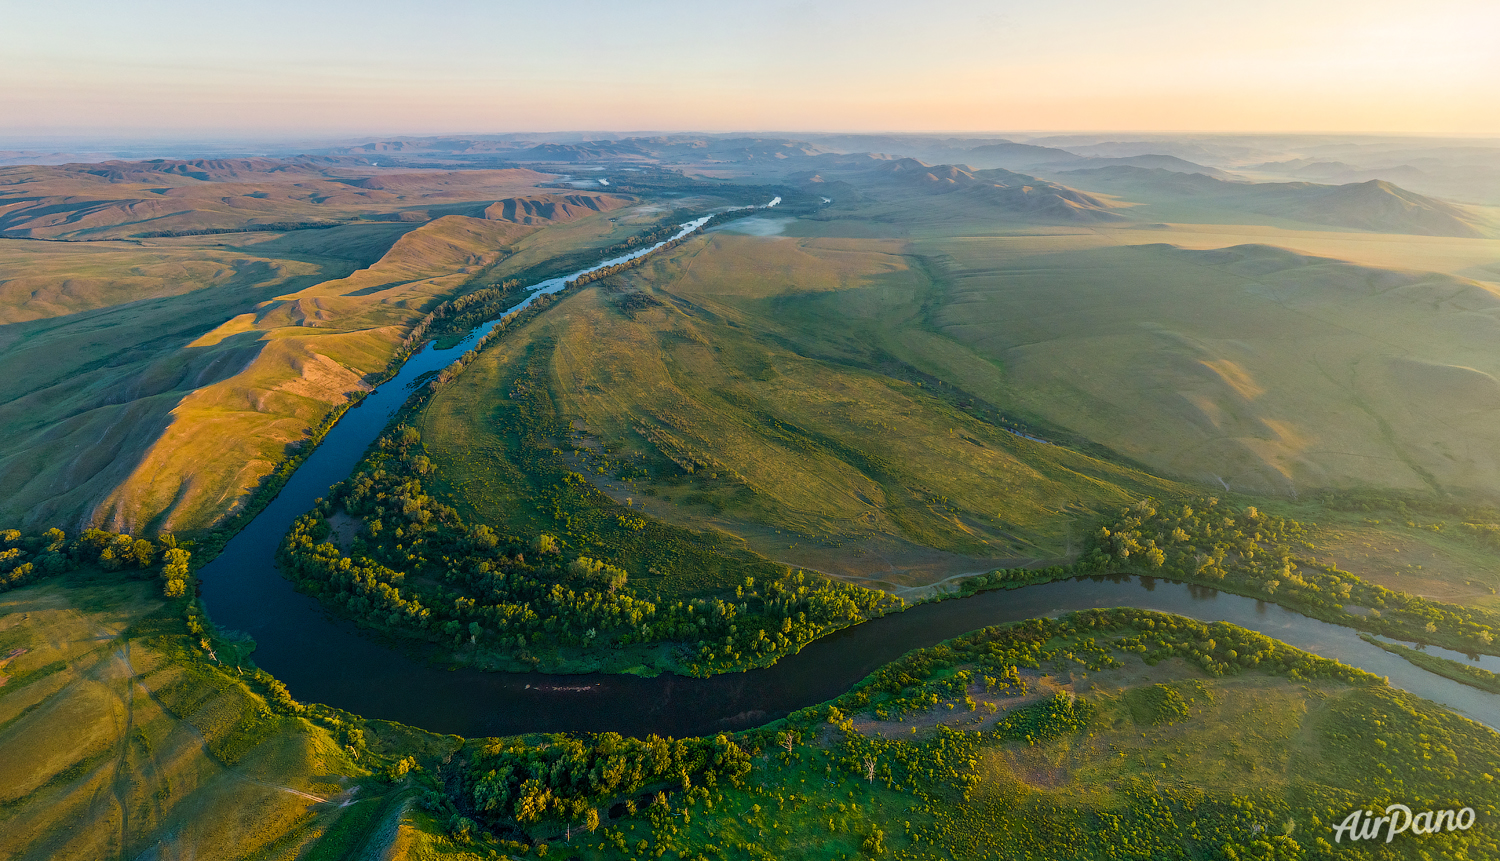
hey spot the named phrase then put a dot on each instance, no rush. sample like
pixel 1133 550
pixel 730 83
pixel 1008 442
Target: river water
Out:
pixel 323 659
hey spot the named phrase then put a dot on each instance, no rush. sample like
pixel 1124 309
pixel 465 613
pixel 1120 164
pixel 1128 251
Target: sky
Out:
pixel 147 68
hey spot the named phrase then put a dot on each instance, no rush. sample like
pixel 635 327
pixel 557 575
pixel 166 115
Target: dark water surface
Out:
pixel 325 660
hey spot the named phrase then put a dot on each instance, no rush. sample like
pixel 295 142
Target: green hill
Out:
pixel 707 391
pixel 1374 205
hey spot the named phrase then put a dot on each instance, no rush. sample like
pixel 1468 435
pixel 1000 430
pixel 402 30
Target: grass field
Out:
pixel 122 739
pixel 151 383
pixel 1422 550
pixel 769 364
pixel 1269 358
pixel 700 391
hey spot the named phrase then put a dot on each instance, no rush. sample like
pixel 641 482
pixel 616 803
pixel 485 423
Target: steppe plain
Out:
pixel 956 357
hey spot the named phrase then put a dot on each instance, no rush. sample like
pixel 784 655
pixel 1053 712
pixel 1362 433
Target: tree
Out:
pixel 142 552
pixel 485 538
pixel 174 572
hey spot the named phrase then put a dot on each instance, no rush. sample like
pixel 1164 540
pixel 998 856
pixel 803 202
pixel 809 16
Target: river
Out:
pixel 324 659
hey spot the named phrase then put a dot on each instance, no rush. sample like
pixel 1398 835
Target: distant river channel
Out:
pixel 324 659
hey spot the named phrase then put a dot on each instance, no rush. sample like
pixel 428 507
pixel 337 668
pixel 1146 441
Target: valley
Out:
pixel 925 396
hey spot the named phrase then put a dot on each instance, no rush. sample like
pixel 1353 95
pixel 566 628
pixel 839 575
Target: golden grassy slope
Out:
pixel 312 349
pixel 152 382
pixel 88 379
pixel 111 747
pixel 304 353
pixel 126 199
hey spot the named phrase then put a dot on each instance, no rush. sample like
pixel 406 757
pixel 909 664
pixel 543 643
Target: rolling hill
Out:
pixel 993 192
pixel 133 200
pixel 152 382
pixel 719 389
pixel 1374 205
pixel 1251 367
pixel 536 209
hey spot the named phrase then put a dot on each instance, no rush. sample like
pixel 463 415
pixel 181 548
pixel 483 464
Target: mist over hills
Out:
pixel 1374 205
pixel 1013 193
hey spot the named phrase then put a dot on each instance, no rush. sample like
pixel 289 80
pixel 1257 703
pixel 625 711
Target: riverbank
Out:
pixel 1474 677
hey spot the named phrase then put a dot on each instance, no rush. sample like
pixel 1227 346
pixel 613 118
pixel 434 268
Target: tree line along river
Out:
pixel 322 659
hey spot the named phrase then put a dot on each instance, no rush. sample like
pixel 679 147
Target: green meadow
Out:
pixel 703 390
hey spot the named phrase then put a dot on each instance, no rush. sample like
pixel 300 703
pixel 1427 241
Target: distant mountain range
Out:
pixel 994 190
pixel 982 153
pixel 1372 205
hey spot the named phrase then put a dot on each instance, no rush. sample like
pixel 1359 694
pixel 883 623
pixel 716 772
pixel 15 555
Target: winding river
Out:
pixel 327 660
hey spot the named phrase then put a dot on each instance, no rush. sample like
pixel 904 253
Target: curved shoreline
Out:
pixel 328 660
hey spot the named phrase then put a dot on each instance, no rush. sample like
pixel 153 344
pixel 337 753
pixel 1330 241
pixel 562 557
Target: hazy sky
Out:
pixel 149 67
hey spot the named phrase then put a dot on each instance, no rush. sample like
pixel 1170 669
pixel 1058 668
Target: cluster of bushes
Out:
pixel 1221 649
pixel 1487 534
pixel 1053 717
pixel 26 559
pixel 557 781
pixel 417 569
pixel 663 230
pixel 471 309
pixel 930 769
pixel 1157 705
pixel 993 656
pixel 1252 552
pixel 478 306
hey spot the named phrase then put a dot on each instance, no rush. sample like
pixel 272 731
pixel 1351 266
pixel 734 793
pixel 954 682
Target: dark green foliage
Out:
pixel 417 570
pixel 560 779
pixel 1054 717
pixel 25 559
pixel 1254 553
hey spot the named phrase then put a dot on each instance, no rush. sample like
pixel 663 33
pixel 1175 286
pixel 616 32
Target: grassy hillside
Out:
pixel 1264 358
pixel 116 200
pixel 1252 367
pixel 121 738
pixel 96 355
pixel 701 392
pixel 180 368
pixel 1375 205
